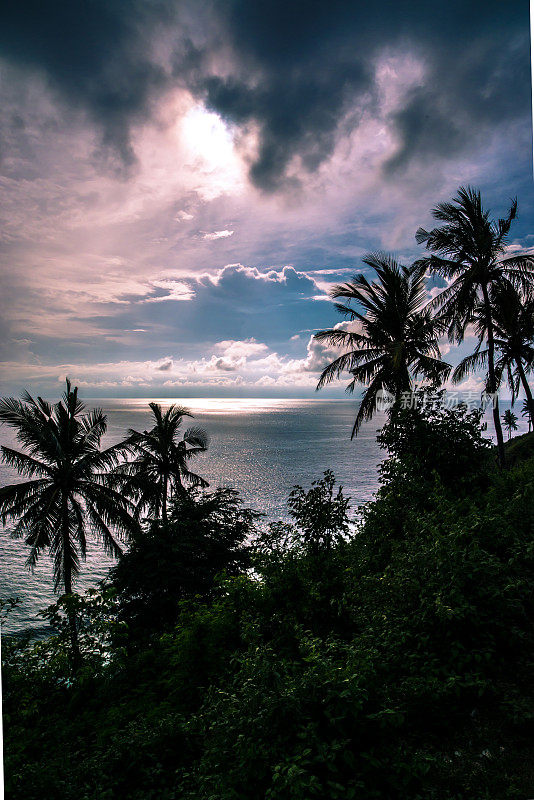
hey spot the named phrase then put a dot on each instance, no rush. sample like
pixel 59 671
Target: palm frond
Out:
pixel 469 364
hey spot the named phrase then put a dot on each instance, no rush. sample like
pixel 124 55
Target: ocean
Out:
pixel 261 447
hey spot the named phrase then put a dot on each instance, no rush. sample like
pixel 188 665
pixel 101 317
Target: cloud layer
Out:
pixel 182 182
pixel 300 74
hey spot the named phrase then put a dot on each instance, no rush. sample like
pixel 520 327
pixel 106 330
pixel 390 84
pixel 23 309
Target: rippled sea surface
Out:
pixel 260 447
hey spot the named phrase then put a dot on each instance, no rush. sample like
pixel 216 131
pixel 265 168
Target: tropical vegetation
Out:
pixel 66 491
pixel 159 468
pixel 526 411
pixel 468 250
pixel 509 421
pixel 395 662
pixel 389 342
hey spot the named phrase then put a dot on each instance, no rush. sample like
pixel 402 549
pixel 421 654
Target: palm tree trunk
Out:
pixel 528 393
pixel 493 379
pixel 73 628
pixel 164 498
pixel 67 584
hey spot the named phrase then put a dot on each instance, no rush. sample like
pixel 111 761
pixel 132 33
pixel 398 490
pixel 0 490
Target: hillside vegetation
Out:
pixel 317 662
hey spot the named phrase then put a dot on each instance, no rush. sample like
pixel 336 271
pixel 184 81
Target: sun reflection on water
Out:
pixel 221 405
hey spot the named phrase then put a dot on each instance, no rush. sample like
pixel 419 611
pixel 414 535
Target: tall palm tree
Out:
pixel 513 323
pixel 397 338
pixel 510 422
pixel 160 462
pixel 67 493
pixel 468 251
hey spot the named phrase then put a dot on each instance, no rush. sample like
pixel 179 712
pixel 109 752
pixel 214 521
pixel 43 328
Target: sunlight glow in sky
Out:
pixel 207 137
pixel 179 196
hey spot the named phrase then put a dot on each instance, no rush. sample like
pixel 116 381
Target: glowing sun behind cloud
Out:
pixel 211 146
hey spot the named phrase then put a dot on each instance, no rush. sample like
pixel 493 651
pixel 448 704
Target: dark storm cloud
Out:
pixel 475 84
pixel 95 53
pixel 305 64
pixel 296 70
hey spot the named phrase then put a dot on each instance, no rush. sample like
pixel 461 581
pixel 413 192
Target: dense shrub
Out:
pixel 396 663
pixel 206 535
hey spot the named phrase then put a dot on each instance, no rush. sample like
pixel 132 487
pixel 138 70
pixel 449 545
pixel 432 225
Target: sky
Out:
pixel 182 182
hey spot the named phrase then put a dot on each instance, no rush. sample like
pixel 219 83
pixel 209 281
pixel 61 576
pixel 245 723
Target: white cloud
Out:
pixel 319 353
pixel 175 290
pixel 266 380
pixel 236 349
pixel 217 235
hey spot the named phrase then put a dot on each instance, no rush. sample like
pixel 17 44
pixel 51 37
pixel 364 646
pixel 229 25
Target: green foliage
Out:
pixel 204 537
pixel 97 624
pixel 321 521
pixel 320 515
pixel 520 448
pixel 431 439
pixel 398 664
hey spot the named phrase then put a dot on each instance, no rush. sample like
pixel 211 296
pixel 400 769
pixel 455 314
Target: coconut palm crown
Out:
pixel 513 322
pixel 469 251
pixel 395 339
pixel 510 421
pixel 160 465
pixel 66 493
pixel 526 413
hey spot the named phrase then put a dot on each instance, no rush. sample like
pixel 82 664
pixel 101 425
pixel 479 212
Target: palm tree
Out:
pixel 67 492
pixel 510 422
pixel 468 251
pixel 513 323
pixel 159 468
pixel 397 338
pixel 526 411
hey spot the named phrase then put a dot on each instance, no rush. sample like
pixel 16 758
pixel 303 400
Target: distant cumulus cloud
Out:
pixel 239 349
pixel 225 365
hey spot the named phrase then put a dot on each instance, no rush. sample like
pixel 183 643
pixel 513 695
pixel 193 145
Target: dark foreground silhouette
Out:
pixel 393 659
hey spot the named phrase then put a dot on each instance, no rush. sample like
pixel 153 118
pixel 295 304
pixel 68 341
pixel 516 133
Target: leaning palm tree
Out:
pixel 67 492
pixel 510 422
pixel 160 465
pixel 397 337
pixel 513 324
pixel 468 250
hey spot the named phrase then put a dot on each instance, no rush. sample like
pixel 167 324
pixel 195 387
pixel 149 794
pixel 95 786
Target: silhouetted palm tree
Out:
pixel 510 421
pixel 468 251
pixel 397 338
pixel 161 457
pixel 67 492
pixel 513 321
